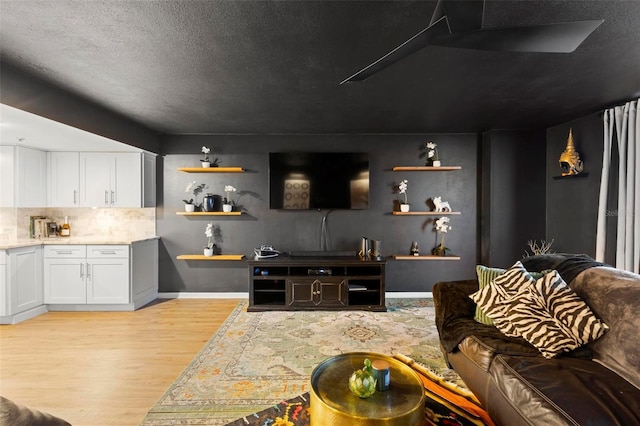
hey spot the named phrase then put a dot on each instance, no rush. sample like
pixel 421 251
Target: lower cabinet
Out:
pixel 21 295
pixel 86 274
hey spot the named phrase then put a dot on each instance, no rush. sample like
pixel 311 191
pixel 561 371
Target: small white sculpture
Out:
pixel 441 206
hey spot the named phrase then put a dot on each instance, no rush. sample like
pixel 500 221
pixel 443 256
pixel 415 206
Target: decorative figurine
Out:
pixel 415 250
pixel 441 206
pixel 570 160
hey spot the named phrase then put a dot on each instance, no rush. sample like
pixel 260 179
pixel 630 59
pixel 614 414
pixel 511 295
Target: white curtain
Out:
pixel 622 124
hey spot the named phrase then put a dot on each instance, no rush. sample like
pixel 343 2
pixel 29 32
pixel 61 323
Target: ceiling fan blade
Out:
pixel 562 37
pixel 438 29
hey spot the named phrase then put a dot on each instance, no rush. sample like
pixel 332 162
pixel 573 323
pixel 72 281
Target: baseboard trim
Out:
pixel 200 295
pixel 242 295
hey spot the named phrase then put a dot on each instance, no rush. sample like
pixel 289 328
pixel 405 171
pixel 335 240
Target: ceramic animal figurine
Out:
pixel 441 206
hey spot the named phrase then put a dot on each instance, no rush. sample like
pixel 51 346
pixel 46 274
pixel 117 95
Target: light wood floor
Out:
pixel 104 368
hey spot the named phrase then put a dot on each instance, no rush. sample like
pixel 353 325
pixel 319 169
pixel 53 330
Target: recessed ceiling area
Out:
pixel 274 67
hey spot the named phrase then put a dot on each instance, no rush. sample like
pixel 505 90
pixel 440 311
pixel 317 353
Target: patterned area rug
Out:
pixel 258 359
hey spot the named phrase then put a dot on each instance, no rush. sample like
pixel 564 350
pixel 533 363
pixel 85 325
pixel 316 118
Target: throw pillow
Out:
pixel 568 308
pixel 499 290
pixel 531 320
pixel 485 276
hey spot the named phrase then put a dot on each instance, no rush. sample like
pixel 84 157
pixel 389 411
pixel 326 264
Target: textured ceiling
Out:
pixel 275 66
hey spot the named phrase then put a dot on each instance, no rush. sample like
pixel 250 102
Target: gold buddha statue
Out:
pixel 570 161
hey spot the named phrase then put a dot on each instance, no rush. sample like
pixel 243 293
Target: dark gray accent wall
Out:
pixel 512 194
pixel 295 230
pixel 39 97
pixel 572 210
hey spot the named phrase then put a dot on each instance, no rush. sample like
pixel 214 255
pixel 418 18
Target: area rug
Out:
pixel 259 359
pixel 446 404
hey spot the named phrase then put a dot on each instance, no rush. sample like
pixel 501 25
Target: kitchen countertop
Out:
pixel 27 242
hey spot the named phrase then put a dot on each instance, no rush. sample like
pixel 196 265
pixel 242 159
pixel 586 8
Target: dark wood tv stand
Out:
pixel 316 283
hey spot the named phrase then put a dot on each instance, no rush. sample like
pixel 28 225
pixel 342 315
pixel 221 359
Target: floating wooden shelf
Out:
pixel 424 257
pixel 214 257
pixel 209 213
pixel 211 169
pixel 425 168
pixel 580 175
pixel 396 213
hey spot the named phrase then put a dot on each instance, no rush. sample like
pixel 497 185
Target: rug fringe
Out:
pixel 434 377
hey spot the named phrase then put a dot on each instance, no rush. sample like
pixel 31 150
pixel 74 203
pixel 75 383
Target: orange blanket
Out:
pixel 456 399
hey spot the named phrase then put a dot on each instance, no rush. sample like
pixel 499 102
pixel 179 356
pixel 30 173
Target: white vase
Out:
pixel 189 208
pixel 436 163
pixel 404 207
pixel 227 208
pixel 206 164
pixel 208 252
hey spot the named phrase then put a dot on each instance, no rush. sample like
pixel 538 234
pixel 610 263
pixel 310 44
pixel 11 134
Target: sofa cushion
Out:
pixel 481 349
pixel 561 391
pixel 531 320
pixel 568 308
pixel 490 298
pixel 485 276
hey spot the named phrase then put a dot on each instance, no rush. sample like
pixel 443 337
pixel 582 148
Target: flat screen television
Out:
pixel 318 180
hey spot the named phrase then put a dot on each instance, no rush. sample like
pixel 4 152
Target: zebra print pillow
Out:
pixel 532 321
pixel 567 307
pixel 501 288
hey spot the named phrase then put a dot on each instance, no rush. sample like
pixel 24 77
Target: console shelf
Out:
pixel 211 169
pixel 214 257
pixel 316 283
pixel 424 257
pixel 397 213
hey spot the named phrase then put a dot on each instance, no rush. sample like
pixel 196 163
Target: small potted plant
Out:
pixel 442 226
pixel 431 152
pixel 402 189
pixel 206 161
pixel 227 206
pixel 208 249
pixel 195 189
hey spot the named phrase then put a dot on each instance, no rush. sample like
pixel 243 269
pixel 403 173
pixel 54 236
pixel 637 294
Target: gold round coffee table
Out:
pixel 332 404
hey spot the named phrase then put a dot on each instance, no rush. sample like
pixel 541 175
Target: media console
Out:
pixel 314 283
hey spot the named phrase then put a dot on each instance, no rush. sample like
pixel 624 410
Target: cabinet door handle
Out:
pixel 75 197
pixel 82 270
pixel 88 271
pixel 63 252
pixel 107 252
pixel 112 197
pixel 106 198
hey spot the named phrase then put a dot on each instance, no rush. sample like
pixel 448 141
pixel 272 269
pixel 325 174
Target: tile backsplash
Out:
pixel 115 223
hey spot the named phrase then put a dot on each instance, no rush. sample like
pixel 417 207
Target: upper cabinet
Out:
pixel 24 177
pixel 117 179
pixel 64 179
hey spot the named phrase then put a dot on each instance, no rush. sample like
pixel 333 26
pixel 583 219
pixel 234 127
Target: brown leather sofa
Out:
pixel 596 384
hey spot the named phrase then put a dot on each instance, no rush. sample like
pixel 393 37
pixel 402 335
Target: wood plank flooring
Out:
pixel 105 368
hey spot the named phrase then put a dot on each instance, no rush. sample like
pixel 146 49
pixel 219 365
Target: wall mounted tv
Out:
pixel 318 180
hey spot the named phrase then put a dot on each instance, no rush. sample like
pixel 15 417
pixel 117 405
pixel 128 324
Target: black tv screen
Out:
pixel 318 180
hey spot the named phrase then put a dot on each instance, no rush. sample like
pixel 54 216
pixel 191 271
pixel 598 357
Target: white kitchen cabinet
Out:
pixel 81 275
pixel 65 274
pixel 110 179
pixel 63 185
pixel 22 292
pixel 117 179
pixel 23 172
